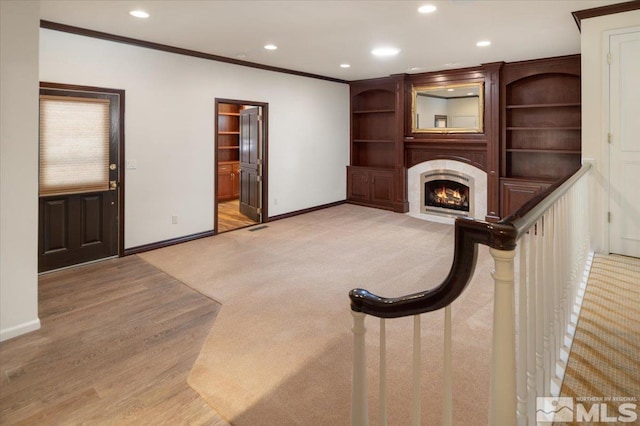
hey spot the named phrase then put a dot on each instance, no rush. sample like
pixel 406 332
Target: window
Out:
pixel 74 145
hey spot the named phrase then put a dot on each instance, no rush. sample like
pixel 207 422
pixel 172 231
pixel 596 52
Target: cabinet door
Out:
pixel 225 183
pixel 357 184
pixel 514 194
pixel 381 186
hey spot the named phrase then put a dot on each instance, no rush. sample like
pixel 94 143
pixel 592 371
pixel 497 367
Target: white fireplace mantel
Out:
pixel 414 188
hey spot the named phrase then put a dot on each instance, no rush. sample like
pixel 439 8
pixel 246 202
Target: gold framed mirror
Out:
pixel 448 108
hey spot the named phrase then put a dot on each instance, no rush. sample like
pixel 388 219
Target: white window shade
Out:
pixel 74 145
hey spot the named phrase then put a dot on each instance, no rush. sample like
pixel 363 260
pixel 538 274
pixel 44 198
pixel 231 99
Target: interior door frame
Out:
pixel 265 157
pixel 121 156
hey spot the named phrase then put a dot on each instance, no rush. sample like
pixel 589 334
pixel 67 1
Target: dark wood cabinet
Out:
pixel 370 186
pixel 376 176
pixel 515 192
pixel 228 181
pixel 541 135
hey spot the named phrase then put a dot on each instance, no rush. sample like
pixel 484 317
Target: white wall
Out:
pixel 427 108
pixel 18 167
pixel 460 112
pixel 463 112
pixel 594 125
pixel 169 130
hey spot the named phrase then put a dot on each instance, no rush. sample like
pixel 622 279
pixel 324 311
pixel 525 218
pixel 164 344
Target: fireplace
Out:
pixel 450 170
pixel 447 192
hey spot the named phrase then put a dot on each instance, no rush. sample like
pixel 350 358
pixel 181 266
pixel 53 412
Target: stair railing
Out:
pixel 550 235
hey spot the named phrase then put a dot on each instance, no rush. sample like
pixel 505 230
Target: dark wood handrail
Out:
pixel 468 234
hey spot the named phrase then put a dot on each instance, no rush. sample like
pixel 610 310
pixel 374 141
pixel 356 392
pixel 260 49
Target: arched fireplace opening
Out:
pixel 447 192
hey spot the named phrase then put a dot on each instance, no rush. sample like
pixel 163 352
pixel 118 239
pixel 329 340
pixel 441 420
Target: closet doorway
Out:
pixel 240 164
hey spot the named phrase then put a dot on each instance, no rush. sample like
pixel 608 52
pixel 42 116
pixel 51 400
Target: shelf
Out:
pixel 568 104
pixel 545 128
pixel 374 111
pixel 373 141
pixel 529 179
pixel 226 163
pixel 228 133
pixel 232 114
pixel 381 168
pixel 546 151
pixel 229 147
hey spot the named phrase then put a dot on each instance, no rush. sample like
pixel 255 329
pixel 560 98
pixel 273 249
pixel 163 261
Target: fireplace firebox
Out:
pixel 447 193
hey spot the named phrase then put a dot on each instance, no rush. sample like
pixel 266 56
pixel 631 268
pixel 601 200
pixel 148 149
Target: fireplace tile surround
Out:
pixel 415 186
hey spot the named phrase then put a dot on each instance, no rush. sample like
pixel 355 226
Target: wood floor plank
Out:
pixel 230 218
pixel 117 342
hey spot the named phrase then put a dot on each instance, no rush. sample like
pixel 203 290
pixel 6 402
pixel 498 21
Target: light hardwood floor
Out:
pixel 230 218
pixel 117 342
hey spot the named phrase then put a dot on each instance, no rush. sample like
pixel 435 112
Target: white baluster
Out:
pixel 502 402
pixel 532 331
pixel 540 261
pixel 447 392
pixel 558 279
pixel 359 400
pixel 523 330
pixel 383 372
pixel 415 401
pixel 548 298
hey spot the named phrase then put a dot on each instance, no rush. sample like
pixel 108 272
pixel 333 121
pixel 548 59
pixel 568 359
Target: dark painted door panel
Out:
pixel 78 225
pixel 250 163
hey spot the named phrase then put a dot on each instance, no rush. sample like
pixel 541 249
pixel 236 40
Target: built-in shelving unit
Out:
pixel 541 138
pixel 376 175
pixel 228 152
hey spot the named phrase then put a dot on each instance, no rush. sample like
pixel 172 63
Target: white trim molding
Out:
pixel 20 329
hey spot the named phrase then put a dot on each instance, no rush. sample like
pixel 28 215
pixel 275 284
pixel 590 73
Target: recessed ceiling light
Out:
pixel 451 64
pixel 345 66
pixel 450 90
pixel 483 43
pixel 414 69
pixel 470 94
pixel 385 51
pixel 427 8
pixel 270 47
pixel 139 14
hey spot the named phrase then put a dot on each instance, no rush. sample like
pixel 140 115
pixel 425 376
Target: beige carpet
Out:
pixel 605 356
pixel 280 351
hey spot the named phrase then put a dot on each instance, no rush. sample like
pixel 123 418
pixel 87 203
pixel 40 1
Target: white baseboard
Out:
pixel 20 329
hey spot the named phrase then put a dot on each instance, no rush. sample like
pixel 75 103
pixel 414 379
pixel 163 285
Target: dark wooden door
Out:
pixel 79 177
pixel 250 163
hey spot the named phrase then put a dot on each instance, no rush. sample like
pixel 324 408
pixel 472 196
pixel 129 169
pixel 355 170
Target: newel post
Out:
pixel 503 398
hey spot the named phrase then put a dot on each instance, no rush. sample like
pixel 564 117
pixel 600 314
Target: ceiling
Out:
pixel 317 36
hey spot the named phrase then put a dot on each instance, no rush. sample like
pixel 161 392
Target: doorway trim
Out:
pixel 265 157
pixel 121 156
